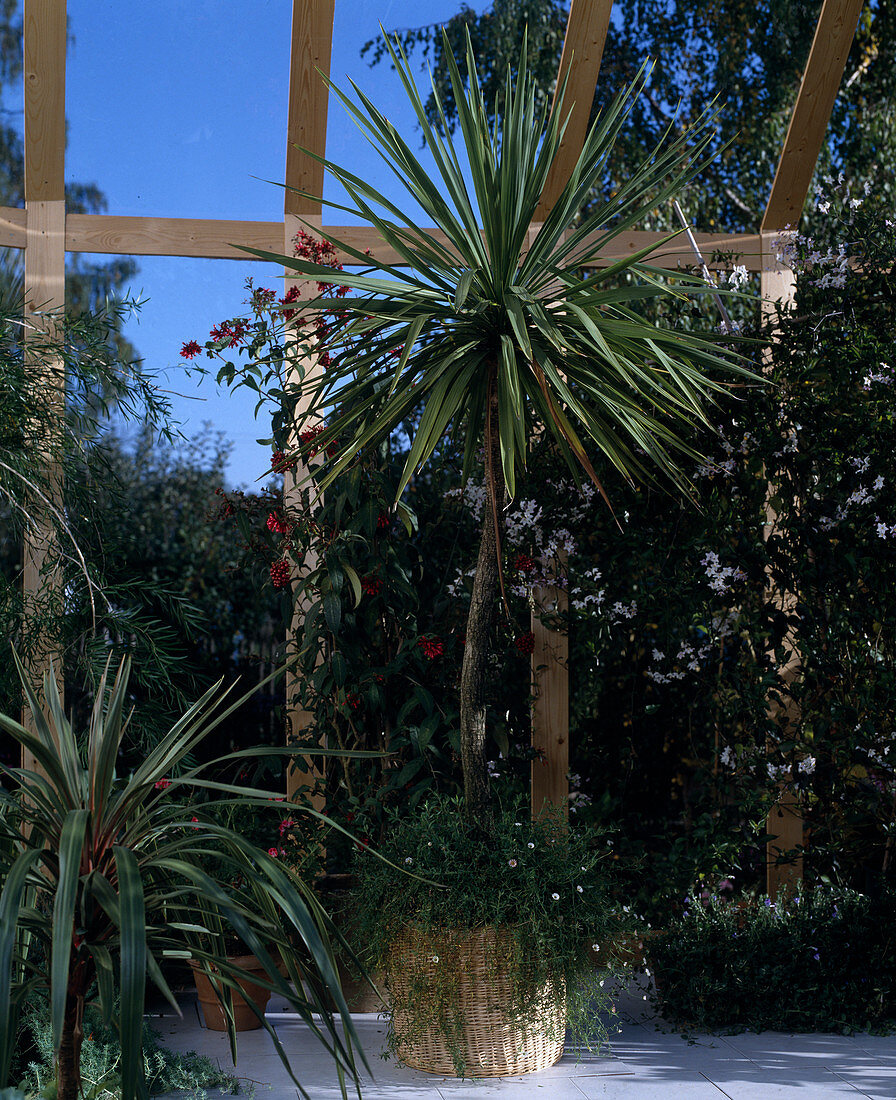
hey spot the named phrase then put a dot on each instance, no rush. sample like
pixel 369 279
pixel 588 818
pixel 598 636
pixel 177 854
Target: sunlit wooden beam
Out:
pixel 811 112
pixel 312 39
pixel 45 32
pixel 583 47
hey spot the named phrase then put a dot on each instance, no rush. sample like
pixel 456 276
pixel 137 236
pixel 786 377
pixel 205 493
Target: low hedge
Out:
pixel 823 961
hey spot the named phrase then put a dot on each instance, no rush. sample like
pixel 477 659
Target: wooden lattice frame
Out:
pixel 46 232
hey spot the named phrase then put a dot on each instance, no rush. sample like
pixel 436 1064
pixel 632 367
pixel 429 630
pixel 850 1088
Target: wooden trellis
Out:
pixel 45 231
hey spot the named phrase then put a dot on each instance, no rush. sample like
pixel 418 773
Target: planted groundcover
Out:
pixel 824 960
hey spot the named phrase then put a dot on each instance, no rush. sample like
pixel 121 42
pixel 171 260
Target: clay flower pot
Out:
pixel 243 1016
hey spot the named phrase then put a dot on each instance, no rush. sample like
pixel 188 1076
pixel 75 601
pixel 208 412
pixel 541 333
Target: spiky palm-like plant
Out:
pixel 104 878
pixel 501 337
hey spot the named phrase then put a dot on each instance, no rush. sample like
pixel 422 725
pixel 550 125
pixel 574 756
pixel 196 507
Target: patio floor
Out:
pixel 646 1061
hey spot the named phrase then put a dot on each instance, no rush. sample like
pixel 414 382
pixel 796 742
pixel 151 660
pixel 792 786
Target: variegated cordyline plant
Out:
pixel 106 877
pixel 496 334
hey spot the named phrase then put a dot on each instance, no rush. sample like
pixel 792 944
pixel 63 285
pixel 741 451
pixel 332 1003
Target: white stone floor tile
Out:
pixel 645 1060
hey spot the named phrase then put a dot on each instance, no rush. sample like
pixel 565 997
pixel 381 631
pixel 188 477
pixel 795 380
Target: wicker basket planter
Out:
pixel 451 1007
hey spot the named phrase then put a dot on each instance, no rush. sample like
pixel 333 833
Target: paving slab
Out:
pixel 644 1060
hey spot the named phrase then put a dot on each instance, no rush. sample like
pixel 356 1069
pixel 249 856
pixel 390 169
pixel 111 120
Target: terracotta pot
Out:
pixel 243 1017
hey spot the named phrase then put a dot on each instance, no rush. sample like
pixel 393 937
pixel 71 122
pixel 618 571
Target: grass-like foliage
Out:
pixel 823 961
pixel 104 878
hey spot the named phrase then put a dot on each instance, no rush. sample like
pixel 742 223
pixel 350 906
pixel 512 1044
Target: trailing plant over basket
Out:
pixel 544 887
pixel 498 336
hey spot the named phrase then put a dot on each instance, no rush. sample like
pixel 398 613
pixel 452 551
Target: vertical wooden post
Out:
pixel 784 824
pixel 44 73
pixel 550 705
pixel 295 491
pixel 312 35
pixel 583 45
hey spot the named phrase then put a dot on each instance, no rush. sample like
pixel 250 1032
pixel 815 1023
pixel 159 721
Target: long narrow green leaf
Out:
pixel 10 907
pixel 71 848
pixel 133 973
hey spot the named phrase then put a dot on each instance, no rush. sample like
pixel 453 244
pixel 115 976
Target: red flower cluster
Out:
pixel 230 334
pixel 190 350
pixel 352 700
pixel 524 564
pixel 309 434
pixel 315 249
pixel 279 462
pixel 278 525
pixel 525 643
pixel 292 295
pixel 280 573
pixel 371 584
pixel 162 784
pixel 382 521
pixel 432 647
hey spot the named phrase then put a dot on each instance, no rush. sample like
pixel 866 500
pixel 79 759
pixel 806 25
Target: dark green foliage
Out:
pixel 825 961
pixel 187 609
pixel 672 735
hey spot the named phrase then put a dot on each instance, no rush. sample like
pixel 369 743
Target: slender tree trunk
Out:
pixel 68 1058
pixel 474 672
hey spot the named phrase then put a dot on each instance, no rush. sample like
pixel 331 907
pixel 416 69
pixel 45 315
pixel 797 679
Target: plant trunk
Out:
pixel 68 1057
pixel 474 671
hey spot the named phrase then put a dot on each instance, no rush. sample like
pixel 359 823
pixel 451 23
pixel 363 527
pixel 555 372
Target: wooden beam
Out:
pixel 207 238
pixel 45 31
pixel 550 705
pixel 784 825
pixel 306 129
pixel 42 579
pixel 299 720
pixel 13 221
pixel 583 47
pixel 45 40
pixel 312 38
pixel 812 112
pixel 138 236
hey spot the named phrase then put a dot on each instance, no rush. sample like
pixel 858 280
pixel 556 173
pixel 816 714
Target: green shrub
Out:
pixel 165 1070
pixel 825 961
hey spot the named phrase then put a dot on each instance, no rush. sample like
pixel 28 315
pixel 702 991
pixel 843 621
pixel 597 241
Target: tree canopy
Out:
pixel 749 57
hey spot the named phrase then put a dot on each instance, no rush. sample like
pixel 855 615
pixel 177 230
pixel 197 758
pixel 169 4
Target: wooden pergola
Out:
pixel 46 232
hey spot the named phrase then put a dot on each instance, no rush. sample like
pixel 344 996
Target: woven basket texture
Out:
pixel 461 976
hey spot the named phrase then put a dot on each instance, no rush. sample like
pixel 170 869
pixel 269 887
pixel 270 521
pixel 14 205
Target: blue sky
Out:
pixel 179 110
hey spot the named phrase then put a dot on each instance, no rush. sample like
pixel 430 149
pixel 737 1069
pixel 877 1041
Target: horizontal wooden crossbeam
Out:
pixel 207 238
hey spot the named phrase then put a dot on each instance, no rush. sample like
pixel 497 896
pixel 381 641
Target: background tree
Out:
pixel 749 55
